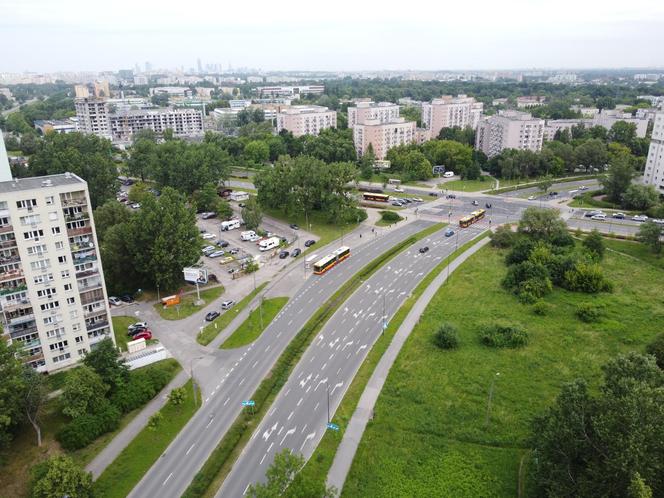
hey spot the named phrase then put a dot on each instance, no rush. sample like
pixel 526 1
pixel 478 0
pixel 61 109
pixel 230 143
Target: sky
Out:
pixel 350 35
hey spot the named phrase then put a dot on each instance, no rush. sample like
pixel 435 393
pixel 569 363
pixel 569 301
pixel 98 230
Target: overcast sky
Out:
pixel 52 35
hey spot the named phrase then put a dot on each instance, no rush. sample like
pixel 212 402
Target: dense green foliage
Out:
pixel 390 216
pixel 447 337
pixel 503 336
pixel 60 476
pixel 12 390
pixel 650 234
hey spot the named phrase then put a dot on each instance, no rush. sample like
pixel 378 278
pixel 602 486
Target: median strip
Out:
pixel 211 476
pixel 255 324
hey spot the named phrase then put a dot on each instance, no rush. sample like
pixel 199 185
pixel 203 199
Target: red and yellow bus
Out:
pixel 322 265
pixel 473 217
pixel 371 196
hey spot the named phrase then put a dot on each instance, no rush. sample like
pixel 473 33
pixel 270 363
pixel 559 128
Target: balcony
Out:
pixel 34 357
pixel 88 297
pixel 88 272
pixel 78 201
pixel 6 229
pixel 96 325
pixel 34 343
pixel 81 246
pixel 71 232
pixel 14 258
pixel 11 275
pixel 15 306
pixel 88 286
pixel 8 244
pixel 89 315
pixel 30 317
pixel 76 217
pixel 85 259
pixel 17 334
pixel 98 336
pixel 12 289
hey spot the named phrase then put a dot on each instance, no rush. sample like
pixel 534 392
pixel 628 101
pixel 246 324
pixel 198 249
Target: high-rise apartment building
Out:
pixel 449 111
pixel 363 111
pixel 306 119
pixel 92 114
pixel 509 130
pixel 53 301
pixel 654 170
pixel 382 135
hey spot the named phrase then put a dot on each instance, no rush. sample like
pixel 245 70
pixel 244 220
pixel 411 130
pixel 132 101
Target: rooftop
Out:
pixel 41 182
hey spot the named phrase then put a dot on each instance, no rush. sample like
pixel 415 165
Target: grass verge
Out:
pixel 636 250
pixel 487 183
pixel 251 328
pixel 130 466
pixel 519 186
pixel 320 462
pixel 187 307
pixel 213 329
pixel 120 324
pixel 210 477
pixel 431 430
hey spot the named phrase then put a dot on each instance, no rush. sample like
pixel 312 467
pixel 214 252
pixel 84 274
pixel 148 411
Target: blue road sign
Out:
pixel 332 426
pixel 250 402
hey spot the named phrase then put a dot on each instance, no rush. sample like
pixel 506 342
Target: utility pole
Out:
pixel 384 316
pixel 327 389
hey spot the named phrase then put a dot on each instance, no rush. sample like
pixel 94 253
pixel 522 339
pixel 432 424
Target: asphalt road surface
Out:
pixel 299 416
pixel 565 190
pixel 172 473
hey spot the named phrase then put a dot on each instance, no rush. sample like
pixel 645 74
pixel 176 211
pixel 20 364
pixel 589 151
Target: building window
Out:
pixel 82 352
pixel 68 287
pixel 76 327
pixel 49 200
pixel 49 306
pixel 55 230
pixel 78 339
pixel 26 203
pixel 62 259
pixel 53 216
pixel 33 234
pixel 71 300
pixel 33 219
pixel 61 357
pixel 40 279
pixel 64 274
pixel 59 245
pixel 73 314
pixel 42 264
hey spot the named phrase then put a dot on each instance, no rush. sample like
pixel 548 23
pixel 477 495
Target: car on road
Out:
pixel 126 298
pixel 488 205
pixel 590 214
pixel 208 236
pixel 583 187
pixel 531 197
pixel 418 199
pixel 208 214
pixel 448 174
pixel 618 216
pixel 226 260
pixel 144 334
pixel 211 316
pixel 216 254
pixel 551 194
pixel 424 249
pixel 296 252
pixel 115 301
pixel 398 189
pixel 450 196
pixel 449 232
pixel 640 217
pixel 226 305
pixel 309 243
pixel 433 194
pixel 294 226
pixel 397 203
pixel 658 221
pixel 475 203
pixel 598 217
pixel 137 326
pixel 283 254
pixel 222 243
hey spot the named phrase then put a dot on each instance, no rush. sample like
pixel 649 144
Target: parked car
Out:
pixel 658 221
pixel 212 277
pixel 397 203
pixel 208 249
pixel 255 238
pixel 226 305
pixel 418 199
pixel 553 193
pixel 145 334
pixel 640 217
pixel 424 249
pixel 583 187
pixel 618 216
pixel 132 333
pixel 449 232
pixel 233 270
pixel 294 226
pixel 211 316
pixel 137 326
pixel 126 298
pixel 208 236
pixel 475 203
pixel 115 301
pixel 296 252
pixel 208 214
pixel 598 217
pixel 234 251
pixel 216 254
pixel 398 189
pixel 222 243
pixel 225 260
pixel 309 243
pixel 283 254
pixel 531 197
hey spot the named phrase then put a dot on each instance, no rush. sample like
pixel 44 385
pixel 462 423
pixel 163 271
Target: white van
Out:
pixel 230 225
pixel 448 174
pixel 267 244
pixel 247 235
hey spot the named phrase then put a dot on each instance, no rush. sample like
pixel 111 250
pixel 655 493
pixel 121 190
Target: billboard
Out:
pixel 195 275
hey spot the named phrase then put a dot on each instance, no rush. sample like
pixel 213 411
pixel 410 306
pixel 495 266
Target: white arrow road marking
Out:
pixel 335 387
pixel 303 382
pixel 308 438
pixel 288 433
pixel 349 343
pixel 323 381
pixel 268 432
pixel 331 344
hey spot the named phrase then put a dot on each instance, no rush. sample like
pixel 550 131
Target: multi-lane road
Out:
pixel 299 416
pixel 237 380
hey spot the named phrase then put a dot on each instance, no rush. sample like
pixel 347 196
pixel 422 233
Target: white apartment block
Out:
pixel 509 130
pixel 92 114
pixel 654 170
pixel 53 300
pixel 449 111
pixel 306 120
pixel 363 111
pixel 608 117
pixel 290 91
pixel 383 135
pixel 185 122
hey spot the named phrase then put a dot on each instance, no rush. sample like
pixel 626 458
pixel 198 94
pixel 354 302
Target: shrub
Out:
pixel 586 278
pixel 521 251
pixel 656 348
pixel 503 336
pixel 390 216
pixel 594 244
pixel 503 237
pixel 84 429
pixel 528 277
pixel 541 308
pixel 588 313
pixel 143 386
pixel 447 337
pixel 531 290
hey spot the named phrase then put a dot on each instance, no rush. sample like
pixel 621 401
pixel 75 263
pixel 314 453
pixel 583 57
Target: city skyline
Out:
pixel 68 37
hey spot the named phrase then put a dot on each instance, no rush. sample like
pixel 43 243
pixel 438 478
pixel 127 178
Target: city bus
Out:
pixel 322 265
pixel 371 196
pixel 473 217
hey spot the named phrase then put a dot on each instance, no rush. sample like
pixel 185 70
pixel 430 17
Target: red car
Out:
pixel 144 334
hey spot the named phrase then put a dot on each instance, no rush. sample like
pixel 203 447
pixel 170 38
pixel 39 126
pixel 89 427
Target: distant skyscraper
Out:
pixel 654 172
pixel 200 66
pixel 148 67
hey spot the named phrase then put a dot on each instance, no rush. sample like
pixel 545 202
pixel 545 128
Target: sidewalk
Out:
pixel 126 435
pixel 364 411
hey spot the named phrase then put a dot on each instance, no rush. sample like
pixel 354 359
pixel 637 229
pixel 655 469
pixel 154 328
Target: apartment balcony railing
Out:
pixel 71 232
pixel 7 244
pixel 14 306
pixel 81 246
pixel 95 337
pixel 10 259
pixel 86 259
pixel 88 272
pixel 11 275
pixel 79 201
pixel 6 228
pixel 34 357
pixel 21 319
pixel 89 286
pixel 77 217
pixel 17 334
pixel 92 297
pixel 4 291
pixel 35 343
pixel 96 325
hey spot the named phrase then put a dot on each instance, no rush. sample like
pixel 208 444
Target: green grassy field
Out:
pixel 120 324
pixel 636 250
pixel 251 329
pixel 213 329
pixel 129 467
pixel 469 185
pixel 429 437
pixel 187 306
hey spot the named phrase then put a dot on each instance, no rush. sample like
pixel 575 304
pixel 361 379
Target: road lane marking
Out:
pixel 290 415
pixel 300 402
pixel 308 438
pixel 227 399
pixel 190 448
pixel 303 429
pixel 288 433
pixel 169 476
pixel 208 425
pixel 261 463
pixel 335 387
pixel 254 366
pixel 287 392
pixel 338 371
pixel 271 445
pixel 323 367
pixel 241 382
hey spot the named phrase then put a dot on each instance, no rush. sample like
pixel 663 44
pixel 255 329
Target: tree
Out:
pixel 541 223
pixel 416 166
pixel 656 348
pixel 595 244
pixel 107 362
pixel 591 154
pixel 454 156
pixel 11 391
pixel 177 396
pixel 618 178
pixel 331 145
pixel 155 421
pixel 60 476
pixel 33 399
pixel 206 199
pixel 546 183
pixel 257 152
pixel 109 214
pixel 83 393
pixel 138 192
pixel 367 163
pixel 650 234
pixel 623 133
pixel 638 488
pixel 252 213
pixel 640 197
pixel 143 160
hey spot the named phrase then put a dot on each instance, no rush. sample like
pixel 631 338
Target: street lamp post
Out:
pixel 488 405
pixel 384 315
pixel 327 389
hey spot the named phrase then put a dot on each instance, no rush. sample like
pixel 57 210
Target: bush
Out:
pixel 541 308
pixel 528 277
pixel 81 431
pixel 521 251
pixel 144 385
pixel 529 291
pixel 594 244
pixel 588 313
pixel 503 336
pixel 503 237
pixel 447 337
pixel 390 216
pixel 586 278
pixel 656 348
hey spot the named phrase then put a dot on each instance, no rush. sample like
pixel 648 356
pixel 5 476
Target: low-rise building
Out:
pixel 290 91
pixel 56 125
pixel 608 117
pixel 448 111
pixel 509 130
pixel 382 136
pixel 306 119
pixel 364 111
pixel 528 101
pixel 654 169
